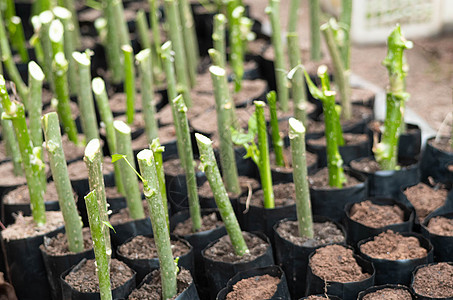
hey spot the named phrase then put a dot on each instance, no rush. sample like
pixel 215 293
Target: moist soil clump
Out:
pixel 389 294
pixel 324 233
pixel 208 222
pixel 8 177
pixel 22 196
pixel 143 247
pixel 311 160
pixel 25 227
pixel 58 245
pixel 257 287
pixel 425 199
pixel 85 279
pixel 223 250
pixel 153 290
pixel 336 263
pixel 321 180
pixel 435 281
pixel 284 195
pixel 393 246
pixel 349 139
pixel 245 183
pixel 442 144
pixel 441 226
pixel 367 165
pixel 376 216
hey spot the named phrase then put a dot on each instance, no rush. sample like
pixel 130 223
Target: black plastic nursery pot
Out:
pixel 347 152
pixel 274 271
pixel 357 231
pixel 348 290
pixel 374 289
pixel 69 293
pixel 56 264
pixel 398 271
pixel 388 183
pixel 294 258
pixel 26 268
pixel 330 202
pixel 434 163
pixel 125 231
pixel 285 175
pixel 144 266
pixel 419 296
pixel 9 210
pixel 218 273
pixel 326 296
pixel 443 245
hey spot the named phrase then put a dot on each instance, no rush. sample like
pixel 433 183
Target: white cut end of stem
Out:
pixel 92 148
pixel 45 17
pixel 36 23
pixel 56 31
pixel 217 71
pixel 15 20
pixel 142 55
pixel 296 126
pixel 2 81
pixel 238 12
pixel 330 93
pixel 62 13
pixel 121 127
pixel 259 103
pixel 221 18
pixel 60 60
pixel 322 69
pixel 166 46
pixel 35 71
pixel 81 58
pixel 126 48
pixel 100 23
pixel 145 155
pixel 203 139
pixel 98 85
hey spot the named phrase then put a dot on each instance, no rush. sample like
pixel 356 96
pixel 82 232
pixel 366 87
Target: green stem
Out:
pixel 224 122
pixel 62 92
pixel 97 228
pixel 129 179
pixel 105 112
pixel 45 19
pixel 157 40
pixel 293 15
pixel 341 74
pixel 157 151
pixel 236 47
pixel 297 78
pixel 56 32
pixel 218 38
pixel 345 19
pixel 33 165
pixel 60 176
pixel 315 34
pixel 85 96
pixel 129 82
pixel 222 200
pixel 113 42
pixel 35 80
pixel 93 161
pixel 158 222
pixel 9 63
pixel 147 92
pixel 18 38
pixel 264 164
pixel 75 36
pixel 12 148
pixel 122 30
pixel 279 60
pixel 277 141
pixel 142 30
pixel 190 39
pixel 299 161
pixel 191 179
pixel 175 33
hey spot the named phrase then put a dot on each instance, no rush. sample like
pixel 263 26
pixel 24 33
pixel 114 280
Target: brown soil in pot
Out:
pixel 122 216
pixel 22 196
pixel 207 121
pixel 53 108
pixel 349 139
pixel 442 144
pixel 165 115
pixel 208 222
pixel 336 263
pixel 143 247
pixel 111 192
pixel 393 246
pixel 86 280
pixel 435 281
pixel 153 290
pixel 71 150
pixel 166 135
pixel 2 152
pixel 58 245
pixel 173 167
pixel 368 165
pixel 258 287
pixel 200 104
pixel 25 227
pixel 78 169
pixel 250 90
pixel 425 199
pixel 321 180
pixel 223 251
pixel 313 297
pixel 8 178
pixel 376 216
pixel 389 294
pixel 118 102
pixel 245 183
pixel 310 157
pixel 138 124
pixel 359 113
pixel 441 226
pixel 284 195
pixel 324 233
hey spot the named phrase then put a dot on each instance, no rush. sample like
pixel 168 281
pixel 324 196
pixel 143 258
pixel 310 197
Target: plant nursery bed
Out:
pixel 324 233
pixel 425 199
pixel 258 287
pixel 376 216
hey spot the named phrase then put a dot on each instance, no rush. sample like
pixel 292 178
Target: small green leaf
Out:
pixel 117 157
pixel 109 225
pixel 176 260
pixel 253 126
pixel 313 88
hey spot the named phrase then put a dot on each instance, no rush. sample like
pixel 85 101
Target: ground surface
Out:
pixel 429 80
